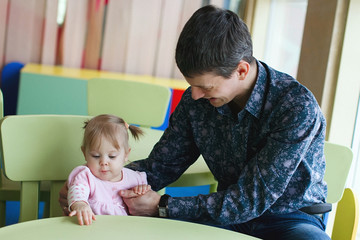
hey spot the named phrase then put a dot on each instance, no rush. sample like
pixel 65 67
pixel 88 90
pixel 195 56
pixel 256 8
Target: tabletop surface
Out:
pixel 115 227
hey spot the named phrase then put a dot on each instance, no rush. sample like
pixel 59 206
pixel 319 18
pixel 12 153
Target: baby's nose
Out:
pixel 104 162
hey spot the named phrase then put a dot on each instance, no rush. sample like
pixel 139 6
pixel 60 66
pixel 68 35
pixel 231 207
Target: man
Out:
pixel 259 130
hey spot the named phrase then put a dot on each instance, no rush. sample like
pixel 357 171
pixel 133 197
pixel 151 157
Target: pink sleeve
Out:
pixel 79 183
pixel 143 179
pixel 134 178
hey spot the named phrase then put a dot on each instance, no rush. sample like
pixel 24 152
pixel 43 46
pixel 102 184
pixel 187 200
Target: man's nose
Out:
pixel 197 93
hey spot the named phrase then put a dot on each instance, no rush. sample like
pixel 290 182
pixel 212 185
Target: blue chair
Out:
pixel 10 77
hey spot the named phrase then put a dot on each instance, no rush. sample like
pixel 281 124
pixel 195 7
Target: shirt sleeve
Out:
pixel 79 185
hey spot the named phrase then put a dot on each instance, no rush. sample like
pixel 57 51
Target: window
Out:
pixel 284 34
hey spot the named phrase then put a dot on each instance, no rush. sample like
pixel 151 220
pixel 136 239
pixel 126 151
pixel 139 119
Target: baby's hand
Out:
pixel 141 189
pixel 83 212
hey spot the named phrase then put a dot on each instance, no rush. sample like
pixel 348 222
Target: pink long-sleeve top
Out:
pixel 102 196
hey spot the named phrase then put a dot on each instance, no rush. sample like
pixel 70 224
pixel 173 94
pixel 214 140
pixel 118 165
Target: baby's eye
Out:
pixel 112 157
pixel 95 156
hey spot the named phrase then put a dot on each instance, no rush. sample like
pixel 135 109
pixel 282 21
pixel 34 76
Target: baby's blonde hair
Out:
pixel 112 128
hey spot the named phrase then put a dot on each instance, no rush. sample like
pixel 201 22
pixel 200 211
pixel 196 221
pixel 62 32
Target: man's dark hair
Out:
pixel 213 40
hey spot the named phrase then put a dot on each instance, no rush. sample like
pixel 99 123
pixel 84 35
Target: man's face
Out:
pixel 216 89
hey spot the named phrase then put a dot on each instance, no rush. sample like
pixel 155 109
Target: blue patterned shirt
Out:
pixel 267 159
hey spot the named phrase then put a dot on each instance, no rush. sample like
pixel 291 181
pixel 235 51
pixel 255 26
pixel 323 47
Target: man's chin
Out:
pixel 216 102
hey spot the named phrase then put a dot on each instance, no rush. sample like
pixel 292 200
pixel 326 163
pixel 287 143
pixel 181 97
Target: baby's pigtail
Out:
pixel 136 132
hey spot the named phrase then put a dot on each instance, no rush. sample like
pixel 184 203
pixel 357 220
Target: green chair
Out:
pixel 146 105
pixel 347 217
pixel 9 190
pixel 37 148
pixel 138 103
pixel 338 162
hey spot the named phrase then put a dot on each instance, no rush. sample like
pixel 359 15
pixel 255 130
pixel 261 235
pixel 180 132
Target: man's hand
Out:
pixel 141 205
pixel 83 212
pixel 63 199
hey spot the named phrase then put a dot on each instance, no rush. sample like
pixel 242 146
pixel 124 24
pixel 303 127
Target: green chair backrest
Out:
pixel 138 103
pixel 39 148
pixel 140 149
pixel 338 162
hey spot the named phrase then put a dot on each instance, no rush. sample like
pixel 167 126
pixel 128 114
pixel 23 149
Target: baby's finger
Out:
pixel 80 219
pixel 140 189
pixel 136 190
pixel 87 218
pixel 144 188
pixel 128 193
pixel 72 213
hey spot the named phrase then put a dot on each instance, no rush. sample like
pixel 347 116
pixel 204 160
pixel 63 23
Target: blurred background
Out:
pixel 316 41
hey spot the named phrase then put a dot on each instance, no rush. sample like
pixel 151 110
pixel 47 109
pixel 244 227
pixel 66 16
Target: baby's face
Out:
pixel 106 162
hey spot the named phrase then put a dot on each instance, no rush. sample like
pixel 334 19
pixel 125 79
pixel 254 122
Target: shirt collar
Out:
pixel 256 100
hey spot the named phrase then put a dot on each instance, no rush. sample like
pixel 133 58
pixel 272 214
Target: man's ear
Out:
pixel 243 69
